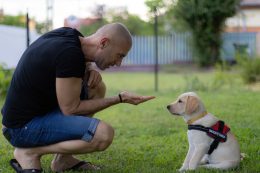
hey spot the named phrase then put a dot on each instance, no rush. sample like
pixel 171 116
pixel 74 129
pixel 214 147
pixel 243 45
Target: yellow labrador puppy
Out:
pixel 211 143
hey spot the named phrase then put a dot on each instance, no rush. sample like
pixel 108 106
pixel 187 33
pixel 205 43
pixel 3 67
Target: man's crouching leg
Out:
pixel 102 139
pixel 61 161
pixel 29 158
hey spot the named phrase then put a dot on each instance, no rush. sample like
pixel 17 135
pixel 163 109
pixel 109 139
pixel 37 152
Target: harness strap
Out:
pixel 198 127
pixel 217 134
pixel 216 141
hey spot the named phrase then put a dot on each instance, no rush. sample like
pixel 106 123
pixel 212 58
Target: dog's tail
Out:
pixel 242 156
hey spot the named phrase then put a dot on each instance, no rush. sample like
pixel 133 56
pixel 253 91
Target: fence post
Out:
pixel 156 47
pixel 27 30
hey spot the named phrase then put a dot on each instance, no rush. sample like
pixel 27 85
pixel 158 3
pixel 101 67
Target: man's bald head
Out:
pixel 115 32
pixel 107 46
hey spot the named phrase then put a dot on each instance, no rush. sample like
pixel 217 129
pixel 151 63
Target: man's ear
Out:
pixel 192 105
pixel 104 42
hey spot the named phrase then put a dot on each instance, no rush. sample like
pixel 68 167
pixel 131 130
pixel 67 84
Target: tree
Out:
pixel 90 29
pixel 13 20
pixel 98 14
pixel 134 23
pixel 205 19
pixel 159 7
pixel 40 27
pixel 20 21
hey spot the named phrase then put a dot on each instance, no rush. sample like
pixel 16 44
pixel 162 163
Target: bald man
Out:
pixel 54 93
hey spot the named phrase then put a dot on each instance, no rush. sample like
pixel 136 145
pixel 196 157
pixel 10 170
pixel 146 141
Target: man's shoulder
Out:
pixel 63 32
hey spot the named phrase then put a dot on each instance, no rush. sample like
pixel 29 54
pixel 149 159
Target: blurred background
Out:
pixel 224 27
pixel 211 47
pixel 165 32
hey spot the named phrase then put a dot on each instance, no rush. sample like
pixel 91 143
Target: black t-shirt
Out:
pixel 32 90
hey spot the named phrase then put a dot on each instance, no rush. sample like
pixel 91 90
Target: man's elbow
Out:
pixel 69 110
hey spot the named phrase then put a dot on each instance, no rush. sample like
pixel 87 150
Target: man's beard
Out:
pixel 100 66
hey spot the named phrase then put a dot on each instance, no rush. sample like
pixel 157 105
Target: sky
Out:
pixel 65 8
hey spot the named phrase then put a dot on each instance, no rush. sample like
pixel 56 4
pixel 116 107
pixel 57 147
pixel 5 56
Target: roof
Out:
pixel 250 3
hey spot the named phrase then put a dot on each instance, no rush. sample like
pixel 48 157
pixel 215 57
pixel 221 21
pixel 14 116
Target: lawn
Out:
pixel 149 139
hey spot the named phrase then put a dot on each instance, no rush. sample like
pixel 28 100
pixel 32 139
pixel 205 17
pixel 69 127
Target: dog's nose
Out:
pixel 169 106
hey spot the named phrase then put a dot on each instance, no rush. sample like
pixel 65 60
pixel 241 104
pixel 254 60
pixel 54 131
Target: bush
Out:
pixel 5 78
pixel 250 68
pixel 193 83
pixel 223 76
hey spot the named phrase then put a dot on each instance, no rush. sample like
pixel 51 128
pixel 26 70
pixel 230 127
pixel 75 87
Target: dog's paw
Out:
pixel 204 160
pixel 182 169
pixel 242 156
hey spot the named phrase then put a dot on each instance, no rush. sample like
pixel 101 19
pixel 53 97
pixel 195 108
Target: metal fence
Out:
pixel 232 42
pixel 177 48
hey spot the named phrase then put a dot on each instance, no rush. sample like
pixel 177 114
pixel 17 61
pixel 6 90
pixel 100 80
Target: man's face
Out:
pixel 111 55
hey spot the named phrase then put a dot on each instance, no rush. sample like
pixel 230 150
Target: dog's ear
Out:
pixel 192 105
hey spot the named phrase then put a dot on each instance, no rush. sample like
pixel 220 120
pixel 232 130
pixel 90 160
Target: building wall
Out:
pixel 246 20
pixel 177 48
pixel 258 44
pixel 10 50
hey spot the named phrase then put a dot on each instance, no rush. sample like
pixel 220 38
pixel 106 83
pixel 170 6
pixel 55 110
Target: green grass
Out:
pixel 150 140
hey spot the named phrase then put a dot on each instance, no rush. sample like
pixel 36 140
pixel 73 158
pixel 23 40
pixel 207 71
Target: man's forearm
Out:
pixel 88 107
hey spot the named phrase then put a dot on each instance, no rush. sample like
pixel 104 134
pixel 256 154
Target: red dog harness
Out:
pixel 218 132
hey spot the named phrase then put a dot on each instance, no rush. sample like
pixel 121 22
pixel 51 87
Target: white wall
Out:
pixel 247 17
pixel 13 44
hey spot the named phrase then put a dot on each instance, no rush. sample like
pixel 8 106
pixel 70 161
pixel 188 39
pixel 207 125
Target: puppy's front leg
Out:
pixel 185 165
pixel 200 151
pixel 204 159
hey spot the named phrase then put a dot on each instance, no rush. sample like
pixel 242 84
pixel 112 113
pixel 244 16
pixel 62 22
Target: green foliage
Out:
pixel 5 78
pixel 13 20
pixel 40 27
pixel 134 23
pixel 250 68
pixel 193 83
pixel 152 4
pixel 205 20
pixel 20 20
pixel 159 7
pixel 223 77
pixel 88 30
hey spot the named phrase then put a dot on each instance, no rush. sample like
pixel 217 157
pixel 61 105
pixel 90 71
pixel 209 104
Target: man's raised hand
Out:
pixel 131 98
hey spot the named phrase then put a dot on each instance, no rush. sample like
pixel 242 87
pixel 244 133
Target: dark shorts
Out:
pixel 52 128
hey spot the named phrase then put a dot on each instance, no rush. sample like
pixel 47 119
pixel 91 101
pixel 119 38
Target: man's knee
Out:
pixel 103 136
pixel 98 92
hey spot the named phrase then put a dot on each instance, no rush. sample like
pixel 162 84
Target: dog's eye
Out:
pixel 179 101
